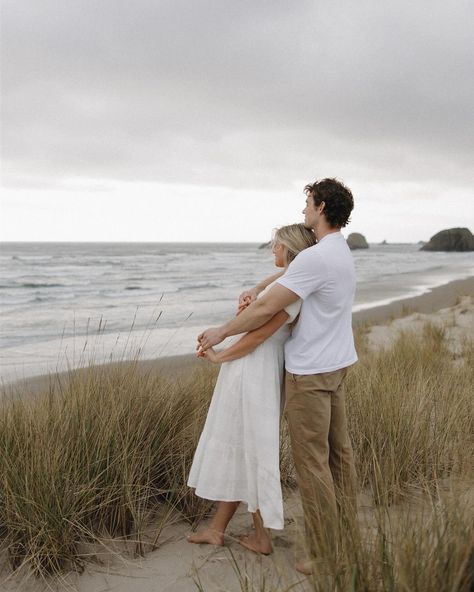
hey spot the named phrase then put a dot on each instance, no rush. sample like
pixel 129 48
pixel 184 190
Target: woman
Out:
pixel 237 458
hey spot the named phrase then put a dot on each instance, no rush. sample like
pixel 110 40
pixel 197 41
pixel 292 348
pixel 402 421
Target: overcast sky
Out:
pixel 166 120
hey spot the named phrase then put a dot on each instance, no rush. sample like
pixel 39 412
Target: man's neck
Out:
pixel 324 231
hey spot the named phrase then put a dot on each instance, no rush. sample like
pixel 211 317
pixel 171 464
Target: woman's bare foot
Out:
pixel 261 544
pixel 207 536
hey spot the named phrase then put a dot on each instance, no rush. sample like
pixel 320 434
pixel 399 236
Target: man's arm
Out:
pixel 256 315
pixel 248 342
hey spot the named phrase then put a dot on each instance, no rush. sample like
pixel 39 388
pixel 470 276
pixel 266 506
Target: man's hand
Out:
pixel 210 337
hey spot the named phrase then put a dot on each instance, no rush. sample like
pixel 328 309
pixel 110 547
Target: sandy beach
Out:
pixel 439 297
pixel 175 565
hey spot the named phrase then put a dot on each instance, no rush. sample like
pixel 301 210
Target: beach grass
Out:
pixel 411 413
pixel 105 448
pixel 94 457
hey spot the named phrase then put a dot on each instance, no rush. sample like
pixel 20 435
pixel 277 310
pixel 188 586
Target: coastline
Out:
pixel 87 304
pixel 433 300
pixel 170 367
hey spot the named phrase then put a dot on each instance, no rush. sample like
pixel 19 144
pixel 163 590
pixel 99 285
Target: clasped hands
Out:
pixel 216 335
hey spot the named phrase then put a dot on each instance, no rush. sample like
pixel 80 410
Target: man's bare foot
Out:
pixel 261 545
pixel 305 567
pixel 207 536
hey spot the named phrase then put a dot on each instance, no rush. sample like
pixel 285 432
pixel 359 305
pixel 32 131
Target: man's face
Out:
pixel 311 213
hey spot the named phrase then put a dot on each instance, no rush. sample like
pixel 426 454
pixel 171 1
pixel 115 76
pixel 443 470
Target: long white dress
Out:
pixel 237 457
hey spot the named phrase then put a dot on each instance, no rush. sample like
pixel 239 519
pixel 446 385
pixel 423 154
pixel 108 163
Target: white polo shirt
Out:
pixel 323 276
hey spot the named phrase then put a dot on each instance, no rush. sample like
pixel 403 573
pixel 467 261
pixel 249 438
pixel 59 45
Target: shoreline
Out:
pixel 437 298
pixel 434 299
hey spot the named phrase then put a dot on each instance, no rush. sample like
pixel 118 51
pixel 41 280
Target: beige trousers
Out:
pixel 322 451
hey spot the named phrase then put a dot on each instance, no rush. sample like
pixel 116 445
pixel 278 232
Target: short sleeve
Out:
pixel 306 274
pixel 293 310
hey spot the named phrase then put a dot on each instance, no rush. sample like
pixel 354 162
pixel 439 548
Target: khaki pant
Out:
pixel 322 451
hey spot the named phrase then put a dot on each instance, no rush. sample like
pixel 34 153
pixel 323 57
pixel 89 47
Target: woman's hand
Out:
pixel 210 354
pixel 242 306
pixel 247 297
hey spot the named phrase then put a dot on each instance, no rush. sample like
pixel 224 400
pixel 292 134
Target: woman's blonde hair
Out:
pixel 295 238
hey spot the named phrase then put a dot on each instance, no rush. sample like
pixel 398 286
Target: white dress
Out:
pixel 237 457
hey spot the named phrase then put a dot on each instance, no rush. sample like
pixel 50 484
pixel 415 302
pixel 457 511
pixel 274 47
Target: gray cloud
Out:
pixel 236 93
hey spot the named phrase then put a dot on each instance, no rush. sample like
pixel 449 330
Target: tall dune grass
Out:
pixel 95 456
pixel 411 411
pixel 105 447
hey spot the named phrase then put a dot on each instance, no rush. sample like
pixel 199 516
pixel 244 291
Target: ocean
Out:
pixel 63 304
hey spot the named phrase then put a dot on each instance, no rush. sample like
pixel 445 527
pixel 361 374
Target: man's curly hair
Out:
pixel 337 198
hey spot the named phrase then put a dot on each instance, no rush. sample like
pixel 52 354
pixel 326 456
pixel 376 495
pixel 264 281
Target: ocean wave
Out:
pixel 57 299
pixel 31 258
pixel 40 285
pixel 31 285
pixel 197 287
pixel 93 262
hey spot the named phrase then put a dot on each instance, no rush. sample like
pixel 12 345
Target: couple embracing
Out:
pixel 300 320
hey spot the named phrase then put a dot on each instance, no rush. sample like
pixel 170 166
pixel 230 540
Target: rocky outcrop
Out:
pixel 357 241
pixel 452 239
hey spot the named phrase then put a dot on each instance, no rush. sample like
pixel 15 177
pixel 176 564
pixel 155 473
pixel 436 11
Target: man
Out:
pixel 316 358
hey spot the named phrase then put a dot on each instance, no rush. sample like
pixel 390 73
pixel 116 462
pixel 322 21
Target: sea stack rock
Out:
pixel 452 239
pixel 357 241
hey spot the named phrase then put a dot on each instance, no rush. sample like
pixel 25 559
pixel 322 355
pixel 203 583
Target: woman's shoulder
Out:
pixel 265 290
pixel 293 310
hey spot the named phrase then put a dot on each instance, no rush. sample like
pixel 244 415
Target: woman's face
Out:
pixel 279 252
